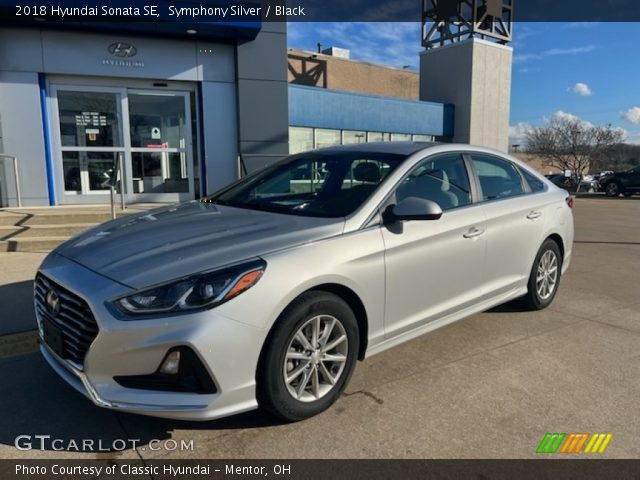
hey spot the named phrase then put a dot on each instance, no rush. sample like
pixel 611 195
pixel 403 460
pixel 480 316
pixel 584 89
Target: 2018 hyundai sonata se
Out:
pixel 269 291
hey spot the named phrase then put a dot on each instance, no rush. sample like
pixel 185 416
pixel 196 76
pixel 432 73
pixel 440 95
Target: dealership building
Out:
pixel 171 112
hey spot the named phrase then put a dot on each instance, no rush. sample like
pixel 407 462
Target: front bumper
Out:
pixel 228 349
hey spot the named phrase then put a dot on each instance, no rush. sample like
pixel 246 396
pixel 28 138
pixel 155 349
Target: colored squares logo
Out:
pixel 573 443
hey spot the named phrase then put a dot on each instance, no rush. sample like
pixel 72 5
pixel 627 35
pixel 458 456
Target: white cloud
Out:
pixel 561 115
pixel 553 52
pixel 582 89
pixel 518 133
pixel 632 115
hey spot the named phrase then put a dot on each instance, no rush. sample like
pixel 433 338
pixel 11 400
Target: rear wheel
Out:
pixel 545 276
pixel 309 358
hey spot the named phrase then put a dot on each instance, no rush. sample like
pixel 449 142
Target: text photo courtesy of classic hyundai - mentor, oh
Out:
pixel 268 292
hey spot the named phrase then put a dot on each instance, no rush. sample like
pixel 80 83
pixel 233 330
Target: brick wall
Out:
pixel 325 71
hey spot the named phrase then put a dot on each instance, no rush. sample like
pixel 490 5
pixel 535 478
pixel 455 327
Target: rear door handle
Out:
pixel 473 232
pixel 534 215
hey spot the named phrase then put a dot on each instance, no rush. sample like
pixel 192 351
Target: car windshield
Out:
pixel 315 184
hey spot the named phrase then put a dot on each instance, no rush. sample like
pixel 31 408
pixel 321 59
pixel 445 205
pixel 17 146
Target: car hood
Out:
pixel 172 242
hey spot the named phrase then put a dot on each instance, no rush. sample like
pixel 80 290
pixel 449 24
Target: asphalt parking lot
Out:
pixel 489 386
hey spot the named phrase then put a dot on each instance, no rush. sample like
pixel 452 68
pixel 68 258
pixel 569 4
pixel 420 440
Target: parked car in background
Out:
pixel 621 183
pixel 600 175
pixel 570 184
pixel 268 292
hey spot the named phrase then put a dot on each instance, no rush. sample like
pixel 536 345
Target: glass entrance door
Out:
pixel 147 132
pixel 91 140
pixel 160 143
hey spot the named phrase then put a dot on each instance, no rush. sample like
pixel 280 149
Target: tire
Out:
pixel 547 259
pixel 612 189
pixel 285 353
pixel 628 194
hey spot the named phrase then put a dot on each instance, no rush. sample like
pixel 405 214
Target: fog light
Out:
pixel 171 363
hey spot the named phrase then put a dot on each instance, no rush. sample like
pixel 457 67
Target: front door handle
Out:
pixel 534 215
pixel 473 232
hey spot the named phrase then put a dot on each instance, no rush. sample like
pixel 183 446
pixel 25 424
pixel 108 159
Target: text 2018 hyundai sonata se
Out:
pixel 269 291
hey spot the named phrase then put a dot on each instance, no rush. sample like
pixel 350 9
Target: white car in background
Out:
pixel 269 291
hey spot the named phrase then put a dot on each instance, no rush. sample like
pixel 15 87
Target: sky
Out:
pixel 586 70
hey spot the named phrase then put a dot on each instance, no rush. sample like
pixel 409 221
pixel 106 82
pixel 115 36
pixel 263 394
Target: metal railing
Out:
pixel 16 175
pixel 118 172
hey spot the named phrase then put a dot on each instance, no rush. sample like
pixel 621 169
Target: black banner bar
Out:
pixel 239 11
pixel 320 469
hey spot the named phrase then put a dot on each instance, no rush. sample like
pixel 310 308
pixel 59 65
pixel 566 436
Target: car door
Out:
pixel 634 180
pixel 514 222
pixel 434 267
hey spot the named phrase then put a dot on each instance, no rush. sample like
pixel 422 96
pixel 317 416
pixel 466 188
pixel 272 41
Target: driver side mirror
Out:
pixel 412 208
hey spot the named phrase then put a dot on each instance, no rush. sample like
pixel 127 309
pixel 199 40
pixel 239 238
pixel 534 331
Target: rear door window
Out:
pixel 498 178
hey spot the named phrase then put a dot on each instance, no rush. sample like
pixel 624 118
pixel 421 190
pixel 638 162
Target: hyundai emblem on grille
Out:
pixel 53 302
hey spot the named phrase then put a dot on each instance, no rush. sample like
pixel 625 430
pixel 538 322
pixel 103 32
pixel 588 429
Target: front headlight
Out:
pixel 198 292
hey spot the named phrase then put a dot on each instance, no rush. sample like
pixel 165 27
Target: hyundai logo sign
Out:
pixel 53 302
pixel 122 50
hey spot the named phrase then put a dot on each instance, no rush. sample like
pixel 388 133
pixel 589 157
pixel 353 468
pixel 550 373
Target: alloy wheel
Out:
pixel 547 275
pixel 315 358
pixel 613 190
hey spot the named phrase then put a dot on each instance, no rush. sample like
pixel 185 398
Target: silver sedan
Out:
pixel 269 291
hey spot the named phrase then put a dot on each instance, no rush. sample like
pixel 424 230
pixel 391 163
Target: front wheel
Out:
pixel 309 358
pixel 545 276
pixel 612 189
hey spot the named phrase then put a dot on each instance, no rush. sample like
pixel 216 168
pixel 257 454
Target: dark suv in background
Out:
pixel 626 183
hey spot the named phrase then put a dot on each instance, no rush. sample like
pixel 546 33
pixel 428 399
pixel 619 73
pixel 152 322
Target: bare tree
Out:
pixel 571 144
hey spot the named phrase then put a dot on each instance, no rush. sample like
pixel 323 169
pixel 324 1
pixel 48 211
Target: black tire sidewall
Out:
pixel 532 298
pixel 271 389
pixel 618 189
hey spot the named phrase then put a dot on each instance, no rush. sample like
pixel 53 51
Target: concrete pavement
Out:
pixel 489 386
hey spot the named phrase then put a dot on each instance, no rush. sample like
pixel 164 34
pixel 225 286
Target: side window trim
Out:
pixel 474 180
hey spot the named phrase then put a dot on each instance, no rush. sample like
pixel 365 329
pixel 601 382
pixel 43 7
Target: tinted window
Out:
pixel 498 178
pixel 442 179
pixel 313 184
pixel 534 182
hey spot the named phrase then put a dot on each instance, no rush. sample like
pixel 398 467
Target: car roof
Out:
pixel 401 148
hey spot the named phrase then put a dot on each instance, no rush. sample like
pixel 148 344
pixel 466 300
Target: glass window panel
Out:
pixel 422 138
pixel 101 167
pixel 326 184
pixel 442 179
pixel 375 137
pixel 351 136
pixel 71 171
pixel 327 138
pixel 159 172
pixel 157 120
pixel 89 119
pixel 400 137
pixel 300 139
pixel 535 183
pixel 498 178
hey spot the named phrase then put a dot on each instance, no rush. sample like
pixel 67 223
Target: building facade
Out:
pixel 172 112
pixel 162 115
